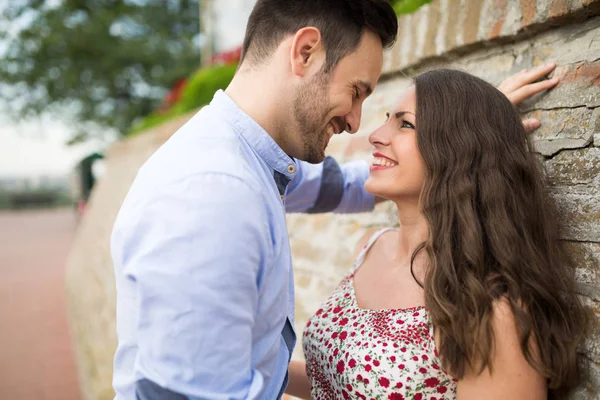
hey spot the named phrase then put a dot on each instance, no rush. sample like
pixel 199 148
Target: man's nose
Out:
pixel 353 119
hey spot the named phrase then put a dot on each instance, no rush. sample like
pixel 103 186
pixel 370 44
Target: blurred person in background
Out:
pixel 205 297
pixel 82 180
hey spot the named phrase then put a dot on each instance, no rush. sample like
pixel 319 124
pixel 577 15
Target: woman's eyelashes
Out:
pixel 406 124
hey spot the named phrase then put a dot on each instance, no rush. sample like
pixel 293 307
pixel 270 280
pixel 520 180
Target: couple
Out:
pixel 467 299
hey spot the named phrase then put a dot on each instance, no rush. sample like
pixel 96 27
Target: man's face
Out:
pixel 331 103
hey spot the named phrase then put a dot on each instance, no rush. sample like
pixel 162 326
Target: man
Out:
pixel 201 252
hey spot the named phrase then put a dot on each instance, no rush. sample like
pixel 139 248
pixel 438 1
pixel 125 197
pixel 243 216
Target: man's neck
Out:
pixel 255 94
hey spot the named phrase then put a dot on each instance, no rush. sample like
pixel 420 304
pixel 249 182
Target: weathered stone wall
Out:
pixel 491 39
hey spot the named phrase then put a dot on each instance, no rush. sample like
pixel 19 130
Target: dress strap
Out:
pixel 365 249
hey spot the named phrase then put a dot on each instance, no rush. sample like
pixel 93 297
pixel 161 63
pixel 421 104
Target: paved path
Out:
pixel 36 360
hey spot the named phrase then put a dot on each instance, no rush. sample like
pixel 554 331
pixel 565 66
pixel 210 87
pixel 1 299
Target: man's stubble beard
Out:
pixel 310 106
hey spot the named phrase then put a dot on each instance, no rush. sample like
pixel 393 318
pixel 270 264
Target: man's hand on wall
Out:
pixel 524 84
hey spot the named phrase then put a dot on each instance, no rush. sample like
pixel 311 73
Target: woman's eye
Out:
pixel 406 124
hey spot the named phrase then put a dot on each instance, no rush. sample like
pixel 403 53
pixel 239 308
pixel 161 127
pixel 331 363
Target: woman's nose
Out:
pixel 380 136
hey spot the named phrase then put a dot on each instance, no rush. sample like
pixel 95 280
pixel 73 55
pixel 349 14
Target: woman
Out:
pixel 470 297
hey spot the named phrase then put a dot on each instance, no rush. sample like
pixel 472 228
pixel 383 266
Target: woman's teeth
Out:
pixel 384 162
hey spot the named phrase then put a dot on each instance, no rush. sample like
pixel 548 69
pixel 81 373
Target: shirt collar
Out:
pixel 256 137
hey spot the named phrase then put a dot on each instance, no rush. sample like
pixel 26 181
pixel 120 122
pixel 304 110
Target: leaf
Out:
pixel 408 6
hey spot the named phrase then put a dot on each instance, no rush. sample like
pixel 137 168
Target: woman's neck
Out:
pixel 412 232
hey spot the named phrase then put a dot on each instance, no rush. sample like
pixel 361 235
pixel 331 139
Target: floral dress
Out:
pixel 355 353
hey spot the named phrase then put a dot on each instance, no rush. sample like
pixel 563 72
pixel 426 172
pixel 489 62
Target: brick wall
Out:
pixel 491 39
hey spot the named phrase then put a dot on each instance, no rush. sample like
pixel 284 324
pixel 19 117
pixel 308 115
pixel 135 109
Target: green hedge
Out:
pixel 198 92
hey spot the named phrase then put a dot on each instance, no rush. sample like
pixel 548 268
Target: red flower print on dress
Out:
pixel 385 382
pixel 342 340
pixel 432 382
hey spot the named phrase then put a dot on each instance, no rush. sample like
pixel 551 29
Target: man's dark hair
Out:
pixel 341 22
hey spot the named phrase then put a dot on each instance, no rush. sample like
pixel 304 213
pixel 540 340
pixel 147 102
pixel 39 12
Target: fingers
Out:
pixel 525 77
pixel 531 124
pixel 519 95
pixel 538 72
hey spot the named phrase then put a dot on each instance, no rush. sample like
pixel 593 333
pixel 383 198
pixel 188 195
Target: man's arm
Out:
pixel 196 251
pixel 329 187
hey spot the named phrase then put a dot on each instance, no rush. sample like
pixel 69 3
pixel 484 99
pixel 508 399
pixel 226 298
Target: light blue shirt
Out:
pixel 205 296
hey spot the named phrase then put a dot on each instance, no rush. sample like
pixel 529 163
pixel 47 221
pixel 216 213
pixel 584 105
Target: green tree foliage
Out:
pixel 103 61
pixel 408 6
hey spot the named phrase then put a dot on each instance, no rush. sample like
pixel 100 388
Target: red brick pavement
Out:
pixel 36 359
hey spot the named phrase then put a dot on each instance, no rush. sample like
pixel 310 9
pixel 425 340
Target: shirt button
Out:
pixel 291 169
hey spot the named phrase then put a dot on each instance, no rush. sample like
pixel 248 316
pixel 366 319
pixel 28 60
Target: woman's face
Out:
pixel 397 169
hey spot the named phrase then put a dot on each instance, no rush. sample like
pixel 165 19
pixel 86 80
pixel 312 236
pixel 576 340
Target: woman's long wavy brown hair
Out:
pixel 492 232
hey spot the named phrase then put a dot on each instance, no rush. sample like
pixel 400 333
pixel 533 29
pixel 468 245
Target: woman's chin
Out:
pixel 376 189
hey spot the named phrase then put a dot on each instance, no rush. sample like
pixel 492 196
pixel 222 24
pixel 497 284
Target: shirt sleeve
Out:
pixel 329 187
pixel 196 252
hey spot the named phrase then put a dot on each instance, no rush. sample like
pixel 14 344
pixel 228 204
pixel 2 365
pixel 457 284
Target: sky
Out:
pixel 37 147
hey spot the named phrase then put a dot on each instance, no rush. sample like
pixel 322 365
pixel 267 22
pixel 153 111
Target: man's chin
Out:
pixel 314 156
pixel 314 159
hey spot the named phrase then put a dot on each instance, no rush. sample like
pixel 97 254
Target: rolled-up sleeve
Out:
pixel 330 187
pixel 196 252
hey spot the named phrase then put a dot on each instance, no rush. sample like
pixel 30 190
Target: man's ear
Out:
pixel 307 54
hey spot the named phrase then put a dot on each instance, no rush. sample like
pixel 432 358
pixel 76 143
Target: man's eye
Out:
pixel 356 93
pixel 387 116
